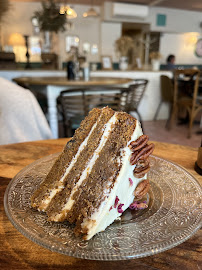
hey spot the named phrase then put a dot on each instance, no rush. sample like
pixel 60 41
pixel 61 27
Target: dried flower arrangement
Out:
pixel 155 55
pixel 123 45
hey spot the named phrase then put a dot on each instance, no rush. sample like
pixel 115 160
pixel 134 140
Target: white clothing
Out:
pixel 21 117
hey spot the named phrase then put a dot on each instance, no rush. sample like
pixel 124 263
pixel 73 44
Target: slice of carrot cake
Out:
pixel 96 177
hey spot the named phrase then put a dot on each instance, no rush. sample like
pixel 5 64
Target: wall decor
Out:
pixel 161 20
pixel 198 49
pixel 106 62
pixel 71 41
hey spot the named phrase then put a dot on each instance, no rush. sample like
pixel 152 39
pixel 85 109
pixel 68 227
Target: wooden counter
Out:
pixel 17 252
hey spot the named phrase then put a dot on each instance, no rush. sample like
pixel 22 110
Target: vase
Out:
pixel 123 63
pixel 155 64
pixel 47 45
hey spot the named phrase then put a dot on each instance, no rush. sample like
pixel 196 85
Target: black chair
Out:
pixel 74 104
pixel 167 90
pixel 134 96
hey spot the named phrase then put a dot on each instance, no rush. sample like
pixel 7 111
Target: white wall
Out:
pixel 18 20
pixel 104 30
pixel 177 21
pixel 178 35
pixel 110 32
pixel 182 46
pixel 87 29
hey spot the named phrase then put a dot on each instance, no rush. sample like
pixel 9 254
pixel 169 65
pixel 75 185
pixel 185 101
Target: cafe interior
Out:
pixel 107 39
pixel 59 59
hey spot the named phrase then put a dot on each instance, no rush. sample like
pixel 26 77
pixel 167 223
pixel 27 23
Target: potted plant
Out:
pixel 123 46
pixel 50 20
pixel 155 60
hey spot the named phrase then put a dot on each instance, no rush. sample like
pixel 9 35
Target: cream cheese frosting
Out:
pixel 123 190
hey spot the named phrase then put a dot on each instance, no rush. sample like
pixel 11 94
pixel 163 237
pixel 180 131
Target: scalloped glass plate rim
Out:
pixel 96 256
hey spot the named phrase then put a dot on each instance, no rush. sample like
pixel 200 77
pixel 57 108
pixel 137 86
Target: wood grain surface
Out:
pixel 93 81
pixel 17 252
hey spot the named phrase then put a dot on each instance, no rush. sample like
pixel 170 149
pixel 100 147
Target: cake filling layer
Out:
pixel 125 184
pixel 72 178
pixel 103 175
pixel 74 160
pixel 63 161
pixel 108 128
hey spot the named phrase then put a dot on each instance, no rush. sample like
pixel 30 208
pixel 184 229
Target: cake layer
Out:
pixel 97 184
pixel 119 198
pixel 94 179
pixel 81 166
pixel 102 179
pixel 63 161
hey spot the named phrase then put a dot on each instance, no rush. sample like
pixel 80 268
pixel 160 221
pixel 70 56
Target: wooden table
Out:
pixel 63 81
pixel 17 252
pixel 52 86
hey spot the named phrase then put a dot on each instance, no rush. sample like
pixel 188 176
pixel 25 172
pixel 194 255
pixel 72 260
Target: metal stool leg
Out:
pixel 157 111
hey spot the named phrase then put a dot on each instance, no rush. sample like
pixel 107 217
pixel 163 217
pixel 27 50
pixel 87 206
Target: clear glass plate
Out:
pixel 173 215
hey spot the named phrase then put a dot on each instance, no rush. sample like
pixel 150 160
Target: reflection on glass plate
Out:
pixel 173 215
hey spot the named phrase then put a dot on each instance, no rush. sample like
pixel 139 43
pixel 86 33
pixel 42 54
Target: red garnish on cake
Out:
pixel 131 181
pixel 116 202
pixel 136 205
pixel 120 210
pixel 110 208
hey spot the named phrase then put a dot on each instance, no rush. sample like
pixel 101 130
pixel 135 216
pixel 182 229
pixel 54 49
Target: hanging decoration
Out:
pixel 91 12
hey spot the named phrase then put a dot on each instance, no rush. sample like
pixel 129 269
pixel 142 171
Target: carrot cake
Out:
pixel 100 172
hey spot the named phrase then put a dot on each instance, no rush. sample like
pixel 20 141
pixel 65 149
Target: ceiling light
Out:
pixel 62 9
pixel 90 13
pixel 70 12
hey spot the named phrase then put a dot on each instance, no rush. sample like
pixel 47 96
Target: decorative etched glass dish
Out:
pixel 173 215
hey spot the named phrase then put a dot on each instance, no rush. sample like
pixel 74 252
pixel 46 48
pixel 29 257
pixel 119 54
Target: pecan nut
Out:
pixel 142 189
pixel 139 143
pixel 142 154
pixel 142 167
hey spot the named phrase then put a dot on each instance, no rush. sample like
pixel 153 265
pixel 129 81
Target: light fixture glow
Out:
pixel 90 13
pixel 70 12
pixel 16 39
pixel 62 9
